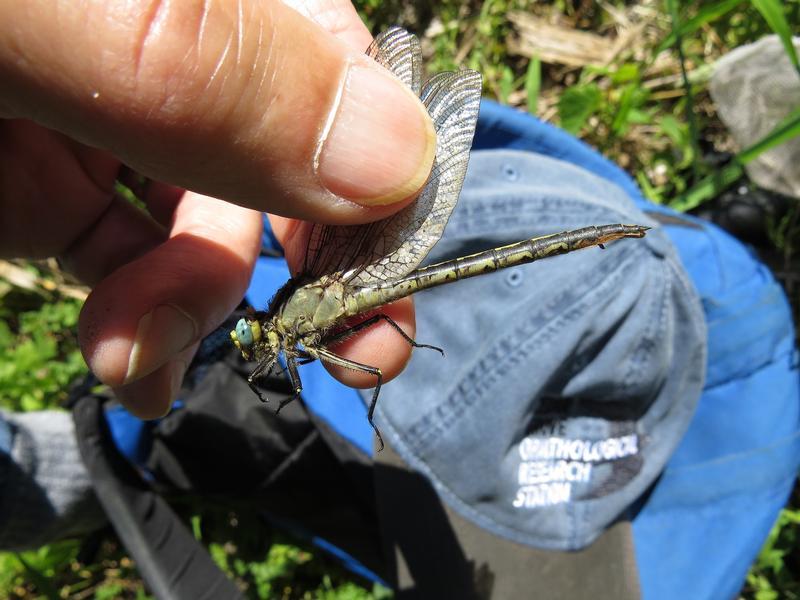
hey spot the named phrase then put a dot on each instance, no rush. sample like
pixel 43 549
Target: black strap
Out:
pixel 174 565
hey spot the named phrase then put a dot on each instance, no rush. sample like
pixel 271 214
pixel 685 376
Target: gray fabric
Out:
pixel 755 87
pixel 567 383
pixel 46 492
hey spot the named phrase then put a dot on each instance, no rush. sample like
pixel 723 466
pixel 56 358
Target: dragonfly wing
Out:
pixel 399 52
pixel 404 240
pixel 391 248
pixel 335 249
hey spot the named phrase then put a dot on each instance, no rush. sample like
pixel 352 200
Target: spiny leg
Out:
pixel 304 360
pixel 294 378
pixel 265 365
pixel 345 333
pixel 334 359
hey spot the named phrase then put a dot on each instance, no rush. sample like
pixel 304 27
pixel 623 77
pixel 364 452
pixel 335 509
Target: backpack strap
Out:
pixel 172 562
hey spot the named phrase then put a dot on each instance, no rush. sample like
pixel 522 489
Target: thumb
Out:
pixel 247 101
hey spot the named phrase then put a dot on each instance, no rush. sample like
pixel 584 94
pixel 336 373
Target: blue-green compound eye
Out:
pixel 244 333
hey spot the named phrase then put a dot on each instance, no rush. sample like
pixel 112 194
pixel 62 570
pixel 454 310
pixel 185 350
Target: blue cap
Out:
pixel 566 383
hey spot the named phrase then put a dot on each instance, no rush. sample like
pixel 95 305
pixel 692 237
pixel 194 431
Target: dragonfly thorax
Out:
pixel 312 308
pixel 300 314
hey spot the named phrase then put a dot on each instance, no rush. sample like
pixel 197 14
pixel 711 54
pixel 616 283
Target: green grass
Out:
pixel 38 348
pixel 648 109
pixel 54 572
pixel 774 575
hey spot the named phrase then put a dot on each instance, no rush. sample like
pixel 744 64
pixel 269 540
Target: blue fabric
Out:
pixel 503 127
pixel 736 466
pixel 131 434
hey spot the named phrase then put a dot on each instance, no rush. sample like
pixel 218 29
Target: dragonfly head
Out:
pixel 245 335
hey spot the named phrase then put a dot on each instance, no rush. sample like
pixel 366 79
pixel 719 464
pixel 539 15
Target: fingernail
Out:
pixel 380 143
pixel 151 397
pixel 160 334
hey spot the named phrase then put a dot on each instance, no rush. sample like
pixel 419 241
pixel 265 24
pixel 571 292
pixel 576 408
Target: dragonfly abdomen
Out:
pixel 519 253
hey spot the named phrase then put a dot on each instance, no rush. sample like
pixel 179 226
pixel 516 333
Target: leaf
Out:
pixel 127 194
pixel 710 12
pixel 577 104
pixel 633 96
pixel 626 73
pixel 638 116
pixel 650 192
pixel 772 11
pixel 624 106
pixel 108 591
pixel 197 529
pixel 506 84
pixel 533 83
pixel 709 187
pixel 41 581
pixel 678 133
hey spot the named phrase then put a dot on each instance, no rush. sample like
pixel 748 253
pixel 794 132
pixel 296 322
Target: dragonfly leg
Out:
pixel 303 361
pixel 294 378
pixel 344 334
pixel 265 365
pixel 334 359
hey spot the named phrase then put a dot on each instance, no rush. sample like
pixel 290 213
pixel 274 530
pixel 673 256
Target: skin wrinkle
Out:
pixel 190 58
pixel 262 63
pixel 252 90
pixel 87 231
pixel 151 22
pixel 201 30
pixel 223 73
pixel 240 25
pixel 244 99
pixel 201 37
pixel 38 166
pixel 270 69
pixel 219 64
pixel 186 67
pixel 192 62
pixel 89 174
pixel 328 124
pixel 157 107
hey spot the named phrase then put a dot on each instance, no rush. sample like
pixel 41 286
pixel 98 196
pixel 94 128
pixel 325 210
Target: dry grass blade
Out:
pixel 26 280
pixel 557 44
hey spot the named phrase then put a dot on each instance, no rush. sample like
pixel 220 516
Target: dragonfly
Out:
pixel 350 271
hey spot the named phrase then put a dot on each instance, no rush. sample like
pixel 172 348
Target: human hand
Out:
pixel 251 102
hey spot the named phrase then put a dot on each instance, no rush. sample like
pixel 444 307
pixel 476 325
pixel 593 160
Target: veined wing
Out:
pixel 399 51
pixel 335 249
pixel 374 252
pixel 453 101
